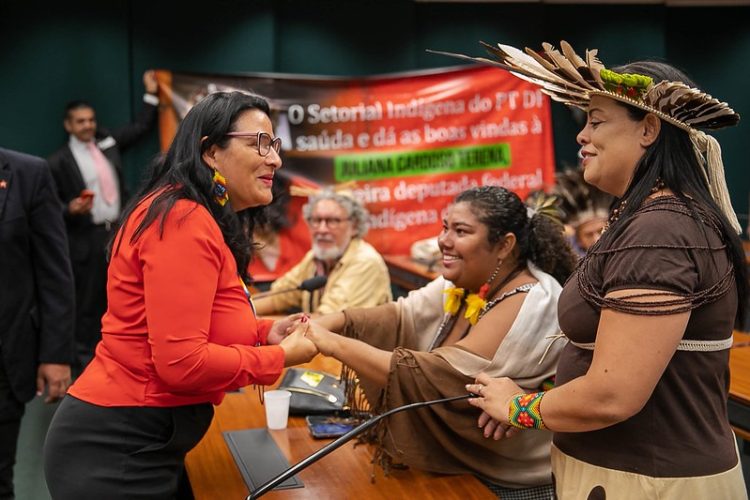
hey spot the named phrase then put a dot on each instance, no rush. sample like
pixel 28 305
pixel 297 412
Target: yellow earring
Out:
pixel 453 300
pixel 221 195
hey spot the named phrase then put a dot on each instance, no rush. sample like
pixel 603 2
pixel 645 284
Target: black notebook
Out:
pixel 258 458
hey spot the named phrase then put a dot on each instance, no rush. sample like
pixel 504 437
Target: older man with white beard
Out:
pixel 356 273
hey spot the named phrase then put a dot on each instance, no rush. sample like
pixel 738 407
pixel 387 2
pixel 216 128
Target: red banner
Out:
pixel 409 142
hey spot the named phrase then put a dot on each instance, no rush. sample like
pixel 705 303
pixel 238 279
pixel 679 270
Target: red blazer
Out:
pixel 179 328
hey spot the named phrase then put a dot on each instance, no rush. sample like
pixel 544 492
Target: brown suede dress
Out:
pixel 683 430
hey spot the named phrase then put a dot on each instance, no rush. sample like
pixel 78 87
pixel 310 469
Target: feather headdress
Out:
pixel 548 205
pixel 580 202
pixel 571 79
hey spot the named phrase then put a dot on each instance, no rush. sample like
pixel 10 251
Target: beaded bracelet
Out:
pixel 523 411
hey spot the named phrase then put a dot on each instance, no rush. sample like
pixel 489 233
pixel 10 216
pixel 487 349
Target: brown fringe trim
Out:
pixel 670 303
pixel 359 406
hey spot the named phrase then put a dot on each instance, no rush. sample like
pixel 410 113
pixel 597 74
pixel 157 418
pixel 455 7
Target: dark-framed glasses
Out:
pixel 331 222
pixel 263 141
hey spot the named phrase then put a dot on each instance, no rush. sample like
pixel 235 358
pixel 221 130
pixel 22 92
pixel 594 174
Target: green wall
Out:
pixel 52 53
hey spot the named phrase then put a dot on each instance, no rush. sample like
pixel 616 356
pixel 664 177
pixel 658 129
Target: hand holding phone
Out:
pixel 81 204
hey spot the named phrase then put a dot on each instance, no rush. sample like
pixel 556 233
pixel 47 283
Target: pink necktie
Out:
pixel 104 172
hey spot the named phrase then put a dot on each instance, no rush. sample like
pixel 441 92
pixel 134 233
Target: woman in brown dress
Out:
pixel 639 410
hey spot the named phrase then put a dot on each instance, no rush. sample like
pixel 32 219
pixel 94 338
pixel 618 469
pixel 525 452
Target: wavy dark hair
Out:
pixel 671 158
pixel 182 174
pixel 538 238
pixel 275 217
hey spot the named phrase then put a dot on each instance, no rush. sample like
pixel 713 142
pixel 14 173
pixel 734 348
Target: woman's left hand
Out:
pixel 283 327
pixel 494 396
pixel 323 339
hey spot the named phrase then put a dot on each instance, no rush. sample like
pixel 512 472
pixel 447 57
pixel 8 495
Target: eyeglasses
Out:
pixel 331 222
pixel 263 141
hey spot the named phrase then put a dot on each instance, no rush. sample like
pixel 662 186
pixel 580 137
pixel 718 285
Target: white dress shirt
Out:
pixel 102 212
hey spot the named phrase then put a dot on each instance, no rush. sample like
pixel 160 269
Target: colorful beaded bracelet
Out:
pixel 523 411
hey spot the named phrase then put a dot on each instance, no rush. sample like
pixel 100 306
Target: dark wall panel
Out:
pixel 716 55
pixel 330 37
pixel 50 53
pixel 48 57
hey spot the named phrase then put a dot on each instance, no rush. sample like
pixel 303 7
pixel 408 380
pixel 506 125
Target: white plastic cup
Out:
pixel 277 408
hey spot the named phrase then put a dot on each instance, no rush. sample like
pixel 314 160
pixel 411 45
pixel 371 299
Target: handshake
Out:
pixel 301 338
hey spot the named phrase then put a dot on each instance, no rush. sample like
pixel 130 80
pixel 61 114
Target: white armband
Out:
pixel 151 99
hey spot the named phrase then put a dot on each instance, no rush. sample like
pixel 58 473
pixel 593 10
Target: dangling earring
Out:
pixel 475 302
pixel 453 299
pixel 484 289
pixel 221 195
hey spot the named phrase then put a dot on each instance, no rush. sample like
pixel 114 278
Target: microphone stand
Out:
pixel 309 285
pixel 304 463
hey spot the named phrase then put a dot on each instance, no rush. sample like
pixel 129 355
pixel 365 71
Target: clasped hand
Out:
pixel 290 334
pixel 323 339
pixel 320 336
pixel 494 399
pixel 283 327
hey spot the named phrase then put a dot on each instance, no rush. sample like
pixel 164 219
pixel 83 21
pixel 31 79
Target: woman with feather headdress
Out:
pixel 585 208
pixel 639 409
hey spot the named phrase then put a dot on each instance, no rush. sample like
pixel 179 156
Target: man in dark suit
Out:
pixel 90 185
pixel 36 298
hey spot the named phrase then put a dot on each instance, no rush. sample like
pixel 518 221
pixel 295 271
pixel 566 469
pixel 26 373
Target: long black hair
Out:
pixel 671 159
pixel 538 238
pixel 183 175
pixel 275 216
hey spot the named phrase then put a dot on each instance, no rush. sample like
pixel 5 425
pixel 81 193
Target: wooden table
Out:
pixel 408 273
pixel 344 474
pixel 739 385
pixel 739 366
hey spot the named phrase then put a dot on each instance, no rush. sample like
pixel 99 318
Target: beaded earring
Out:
pixel 475 302
pixel 453 299
pixel 221 195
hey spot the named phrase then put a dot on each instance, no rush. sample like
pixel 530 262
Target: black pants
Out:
pixel 94 452
pixel 11 411
pixel 89 262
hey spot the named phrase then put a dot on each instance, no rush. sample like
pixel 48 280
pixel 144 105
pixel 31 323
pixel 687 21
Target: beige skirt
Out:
pixel 577 480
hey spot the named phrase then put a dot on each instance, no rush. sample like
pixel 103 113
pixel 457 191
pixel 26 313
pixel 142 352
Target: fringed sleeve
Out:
pixel 445 438
pixel 377 326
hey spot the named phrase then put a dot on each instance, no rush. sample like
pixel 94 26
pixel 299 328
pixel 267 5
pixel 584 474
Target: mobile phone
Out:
pixel 86 194
pixel 325 427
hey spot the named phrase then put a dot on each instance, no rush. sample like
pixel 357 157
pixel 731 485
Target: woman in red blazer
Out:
pixel 180 329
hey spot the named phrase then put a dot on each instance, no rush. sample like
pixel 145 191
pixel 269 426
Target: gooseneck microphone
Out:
pixel 271 483
pixel 313 283
pixel 308 285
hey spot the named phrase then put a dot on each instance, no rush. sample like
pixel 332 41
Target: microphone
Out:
pixel 275 481
pixel 309 285
pixel 313 283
